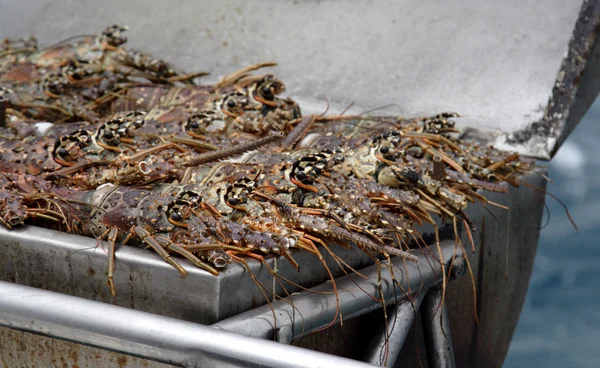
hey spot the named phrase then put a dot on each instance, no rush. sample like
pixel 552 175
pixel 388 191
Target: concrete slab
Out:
pixel 495 62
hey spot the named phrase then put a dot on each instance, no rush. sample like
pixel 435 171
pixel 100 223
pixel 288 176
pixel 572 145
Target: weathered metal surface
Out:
pixel 77 266
pixel 575 89
pixel 495 62
pixel 27 350
pixel 147 335
pixel 36 310
pixel 502 264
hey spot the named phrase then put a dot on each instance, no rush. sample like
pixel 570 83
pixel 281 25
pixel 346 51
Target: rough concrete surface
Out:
pixel 495 62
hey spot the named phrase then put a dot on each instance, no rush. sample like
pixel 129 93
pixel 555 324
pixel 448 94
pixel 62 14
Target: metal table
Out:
pixel 187 344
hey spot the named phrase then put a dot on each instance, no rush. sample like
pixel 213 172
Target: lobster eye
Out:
pixel 63 152
pixel 412 176
pixel 176 216
pixel 384 150
pixel 301 175
pixel 338 160
pixel 195 201
pixel 266 91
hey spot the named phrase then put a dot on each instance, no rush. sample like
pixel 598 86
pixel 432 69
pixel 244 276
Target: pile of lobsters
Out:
pixel 118 145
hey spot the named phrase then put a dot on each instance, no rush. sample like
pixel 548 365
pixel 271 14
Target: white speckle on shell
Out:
pixel 42 127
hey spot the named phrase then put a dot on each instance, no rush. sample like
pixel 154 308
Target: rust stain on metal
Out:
pixel 122 361
pixel 23 349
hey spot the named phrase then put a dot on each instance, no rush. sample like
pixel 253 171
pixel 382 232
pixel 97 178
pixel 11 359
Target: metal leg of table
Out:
pixel 307 312
pixel 436 328
pixel 386 347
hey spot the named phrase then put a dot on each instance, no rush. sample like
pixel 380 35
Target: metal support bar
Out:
pixel 385 349
pixel 307 312
pixel 436 329
pixel 147 335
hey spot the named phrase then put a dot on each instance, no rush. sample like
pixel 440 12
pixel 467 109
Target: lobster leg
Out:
pixel 12 210
pixel 168 244
pixel 290 259
pixel 147 238
pixel 5 224
pixel 112 238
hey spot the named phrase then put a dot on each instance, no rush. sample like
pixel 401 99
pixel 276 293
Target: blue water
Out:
pixel 560 323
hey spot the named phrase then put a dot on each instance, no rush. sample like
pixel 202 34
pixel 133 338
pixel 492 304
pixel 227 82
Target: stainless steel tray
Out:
pixel 77 266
